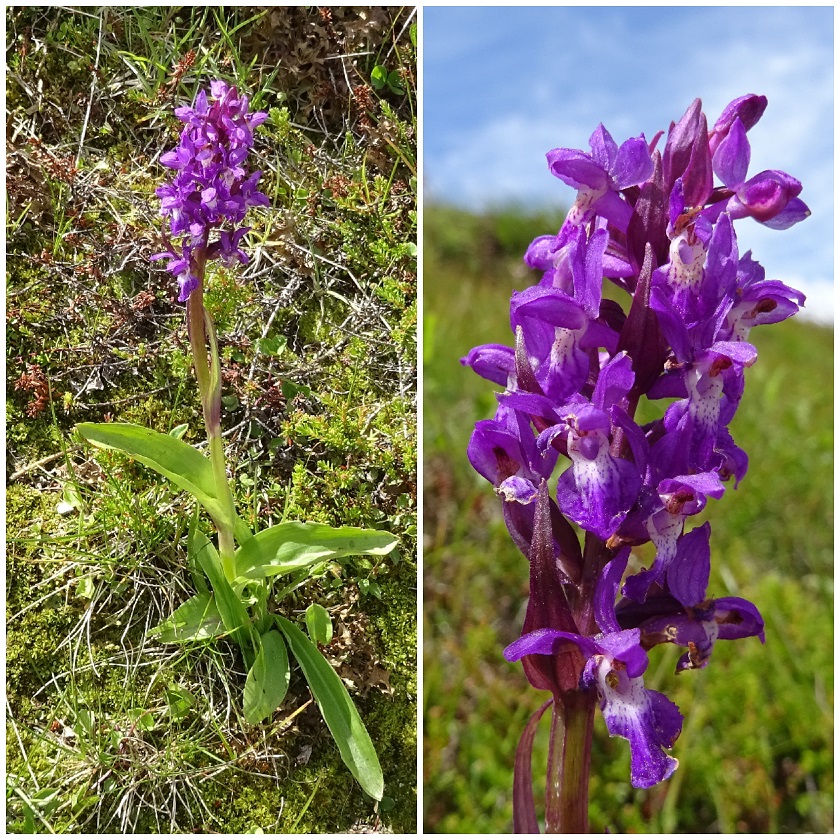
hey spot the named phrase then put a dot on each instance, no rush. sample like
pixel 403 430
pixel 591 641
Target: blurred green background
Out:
pixel 756 748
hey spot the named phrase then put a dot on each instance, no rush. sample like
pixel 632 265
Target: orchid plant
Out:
pixel 658 227
pixel 205 204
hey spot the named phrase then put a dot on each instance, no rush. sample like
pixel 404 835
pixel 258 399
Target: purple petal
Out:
pixel 633 163
pixel 606 592
pixel 688 572
pixel 623 647
pixel 614 382
pixel 542 252
pixel 732 157
pixel 738 619
pixel 588 272
pixel 686 494
pixel 189 284
pixel 547 642
pixel 494 362
pixel 494 452
pixel 647 719
pixel 748 109
pixel 795 211
pixel 604 148
pixel 598 489
pixel 577 169
pixel 549 305
pixel 767 194
pixel 517 489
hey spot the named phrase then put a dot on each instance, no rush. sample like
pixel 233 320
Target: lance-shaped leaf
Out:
pixel 195 620
pixel 291 546
pixel 340 714
pixel 268 679
pixel 235 617
pixel 174 459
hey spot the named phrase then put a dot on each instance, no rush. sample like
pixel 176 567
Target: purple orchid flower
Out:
pixel 211 187
pixel 679 612
pixel 599 176
pixel 660 229
pixel 615 663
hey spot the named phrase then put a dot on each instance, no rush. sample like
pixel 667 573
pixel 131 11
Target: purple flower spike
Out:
pixel 210 188
pixel 662 229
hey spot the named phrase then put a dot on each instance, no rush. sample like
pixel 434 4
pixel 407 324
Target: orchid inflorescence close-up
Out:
pixel 659 225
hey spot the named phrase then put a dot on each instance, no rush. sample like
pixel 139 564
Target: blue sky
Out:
pixel 504 85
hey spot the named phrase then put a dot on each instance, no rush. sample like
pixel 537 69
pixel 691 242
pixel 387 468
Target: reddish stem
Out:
pixel 570 750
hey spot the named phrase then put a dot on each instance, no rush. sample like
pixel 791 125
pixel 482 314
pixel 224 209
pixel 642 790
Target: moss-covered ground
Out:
pixel 107 731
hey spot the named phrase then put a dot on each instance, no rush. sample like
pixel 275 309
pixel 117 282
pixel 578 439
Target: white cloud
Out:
pixel 556 72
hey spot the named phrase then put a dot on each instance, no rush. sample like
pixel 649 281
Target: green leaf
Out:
pixel 271 345
pixel 370 587
pixel 194 620
pixel 268 679
pixel 231 609
pixel 179 431
pixel 86 587
pixel 85 720
pixel 318 624
pixel 142 719
pixel 395 82
pixel 291 546
pixel 379 77
pixel 340 714
pixel 180 700
pixel 172 458
pixel 197 543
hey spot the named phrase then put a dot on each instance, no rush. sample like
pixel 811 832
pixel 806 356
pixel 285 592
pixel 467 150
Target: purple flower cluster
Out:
pixel 212 186
pixel 659 227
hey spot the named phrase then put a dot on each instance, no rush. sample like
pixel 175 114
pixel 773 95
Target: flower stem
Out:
pixel 570 748
pixel 208 376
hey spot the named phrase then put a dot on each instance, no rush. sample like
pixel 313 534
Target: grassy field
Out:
pixel 107 731
pixel 756 749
